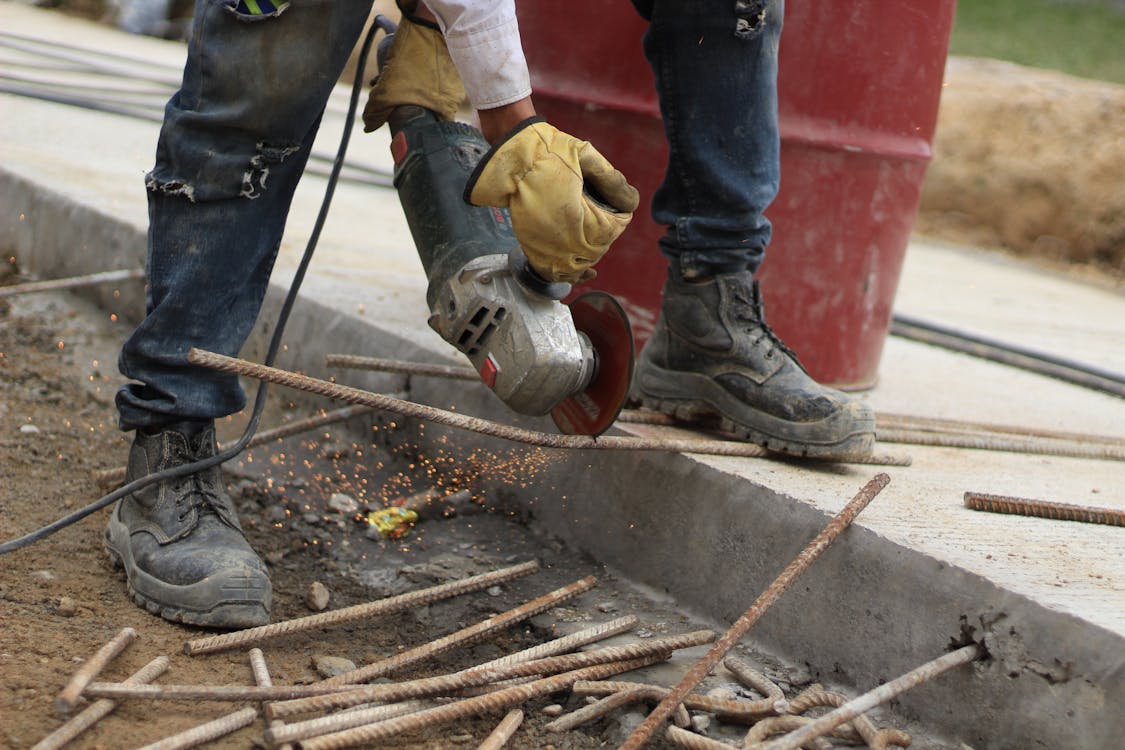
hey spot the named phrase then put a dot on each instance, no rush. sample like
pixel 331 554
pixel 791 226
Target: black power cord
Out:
pixel 381 23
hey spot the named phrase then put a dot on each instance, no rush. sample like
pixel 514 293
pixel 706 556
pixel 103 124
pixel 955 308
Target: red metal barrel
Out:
pixel 859 88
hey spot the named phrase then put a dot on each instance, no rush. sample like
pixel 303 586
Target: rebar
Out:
pixel 399 367
pixel 70 694
pixel 477 676
pixel 487 427
pixel 1011 444
pixel 736 711
pixel 693 741
pixel 262 679
pixel 775 725
pixel 379 607
pixel 799 565
pixel 612 702
pixel 503 731
pixel 98 710
pixel 752 678
pixel 219 693
pixel 301 730
pixel 1043 509
pixel 575 640
pixel 114 477
pixel 71 282
pixel 465 636
pixel 878 696
pixel 220 727
pixel 939 424
pixel 484 704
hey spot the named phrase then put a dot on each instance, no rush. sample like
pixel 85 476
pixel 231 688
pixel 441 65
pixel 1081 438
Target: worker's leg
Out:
pixel 234 142
pixel 712 354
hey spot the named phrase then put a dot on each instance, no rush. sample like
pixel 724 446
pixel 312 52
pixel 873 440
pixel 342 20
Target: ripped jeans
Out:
pixel 237 135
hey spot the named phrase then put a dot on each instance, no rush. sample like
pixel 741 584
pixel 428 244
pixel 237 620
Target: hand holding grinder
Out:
pixel 495 300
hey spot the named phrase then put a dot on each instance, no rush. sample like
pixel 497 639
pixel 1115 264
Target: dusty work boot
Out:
pixel 712 355
pixel 179 540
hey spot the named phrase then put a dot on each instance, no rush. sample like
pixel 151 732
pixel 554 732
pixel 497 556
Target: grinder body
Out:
pixel 514 330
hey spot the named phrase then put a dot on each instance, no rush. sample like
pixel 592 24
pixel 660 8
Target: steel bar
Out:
pixel 71 282
pixel 276 737
pixel 212 730
pixel 465 636
pixel 843 519
pixel 612 702
pixel 1043 509
pixel 221 693
pixel 98 710
pixel 741 712
pixel 70 694
pixel 763 730
pixel 370 609
pixel 693 741
pixel 938 424
pixel 400 367
pixel 566 643
pixel 752 678
pixel 1012 444
pixel 483 426
pixel 449 683
pixel 262 679
pixel 114 477
pixel 484 704
pixel 886 692
pixel 503 731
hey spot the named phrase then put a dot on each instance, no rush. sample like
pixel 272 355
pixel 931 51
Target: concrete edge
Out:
pixel 868 612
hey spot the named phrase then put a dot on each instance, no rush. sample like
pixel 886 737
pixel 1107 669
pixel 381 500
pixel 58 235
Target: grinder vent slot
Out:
pixel 480 328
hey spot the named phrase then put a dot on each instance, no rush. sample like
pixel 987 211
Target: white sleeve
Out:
pixel 484 41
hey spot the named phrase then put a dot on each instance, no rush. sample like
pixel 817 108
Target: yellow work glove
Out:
pixel 568 203
pixel 418 70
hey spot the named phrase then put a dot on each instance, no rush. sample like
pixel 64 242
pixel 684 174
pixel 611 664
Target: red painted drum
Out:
pixel 859 85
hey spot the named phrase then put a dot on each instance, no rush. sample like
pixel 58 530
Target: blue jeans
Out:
pixel 238 133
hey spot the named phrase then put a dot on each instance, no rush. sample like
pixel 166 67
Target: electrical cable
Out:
pixel 275 341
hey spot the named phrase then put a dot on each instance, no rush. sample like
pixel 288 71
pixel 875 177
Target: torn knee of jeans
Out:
pixel 170 187
pixel 255 178
pixel 750 17
pixel 255 11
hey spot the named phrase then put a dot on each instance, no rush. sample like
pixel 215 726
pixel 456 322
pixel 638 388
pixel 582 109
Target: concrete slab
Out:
pixel 917 572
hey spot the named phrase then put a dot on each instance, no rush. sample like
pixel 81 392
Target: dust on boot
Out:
pixel 713 355
pixel 179 540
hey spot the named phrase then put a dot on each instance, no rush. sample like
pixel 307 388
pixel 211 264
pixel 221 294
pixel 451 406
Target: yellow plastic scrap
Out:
pixel 392 522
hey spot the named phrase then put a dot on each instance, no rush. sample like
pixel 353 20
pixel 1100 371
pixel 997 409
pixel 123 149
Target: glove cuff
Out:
pixel 409 10
pixel 484 160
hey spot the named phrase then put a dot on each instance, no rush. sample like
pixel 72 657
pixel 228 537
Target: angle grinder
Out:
pixel 537 354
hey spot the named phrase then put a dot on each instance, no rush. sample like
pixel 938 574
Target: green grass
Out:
pixel 1081 37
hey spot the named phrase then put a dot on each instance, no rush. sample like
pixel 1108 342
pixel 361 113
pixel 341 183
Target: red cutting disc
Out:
pixel 591 412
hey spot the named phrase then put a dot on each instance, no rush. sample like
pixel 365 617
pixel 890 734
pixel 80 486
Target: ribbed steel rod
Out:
pixel 449 683
pixel 211 730
pixel 465 636
pixel 503 731
pixel 693 741
pixel 370 609
pixel 486 427
pixel 275 737
pixel 1012 444
pixel 221 693
pixel 114 477
pixel 752 678
pixel 843 519
pixel 1020 506
pixel 71 282
pixel 918 422
pixel 484 704
pixel 877 697
pixel 98 710
pixel 262 679
pixel 400 367
pixel 612 702
pixel 70 694
pixel 566 643
pixel 736 711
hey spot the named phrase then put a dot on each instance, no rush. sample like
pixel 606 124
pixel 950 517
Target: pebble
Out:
pixel 494 591
pixel 312 519
pixel 67 607
pixel 345 504
pixel 606 607
pixel 701 723
pixel 622 725
pixel 29 429
pixel 276 514
pixel 552 710
pixel 317 596
pixel 42 575
pixel 330 666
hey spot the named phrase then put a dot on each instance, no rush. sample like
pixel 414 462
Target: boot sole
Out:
pixel 843 436
pixel 228 602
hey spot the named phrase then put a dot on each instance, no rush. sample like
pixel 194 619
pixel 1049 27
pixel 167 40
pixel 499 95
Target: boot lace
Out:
pixel 193 492
pixel 750 310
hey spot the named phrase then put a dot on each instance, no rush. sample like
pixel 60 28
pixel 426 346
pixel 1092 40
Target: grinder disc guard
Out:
pixel 600 317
